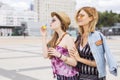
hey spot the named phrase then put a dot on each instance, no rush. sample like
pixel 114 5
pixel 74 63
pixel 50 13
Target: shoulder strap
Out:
pixel 101 36
pixel 102 40
pixel 78 39
pixel 61 39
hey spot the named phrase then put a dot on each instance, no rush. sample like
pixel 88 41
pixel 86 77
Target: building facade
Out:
pixel 10 19
pixel 45 7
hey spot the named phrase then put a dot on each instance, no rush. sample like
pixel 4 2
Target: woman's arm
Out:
pixel 44 45
pixel 44 42
pixel 82 60
pixel 113 66
pixel 70 46
pixel 69 43
pixel 87 62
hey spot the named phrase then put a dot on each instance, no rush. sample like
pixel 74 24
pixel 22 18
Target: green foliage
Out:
pixel 108 19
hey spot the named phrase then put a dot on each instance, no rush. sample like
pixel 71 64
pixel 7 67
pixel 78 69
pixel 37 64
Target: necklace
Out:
pixel 61 38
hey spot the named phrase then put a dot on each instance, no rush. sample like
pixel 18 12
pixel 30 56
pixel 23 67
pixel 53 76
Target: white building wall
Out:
pixel 12 18
pixel 45 7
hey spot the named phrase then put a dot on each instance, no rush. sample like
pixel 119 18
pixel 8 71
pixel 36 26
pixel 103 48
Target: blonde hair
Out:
pixel 92 12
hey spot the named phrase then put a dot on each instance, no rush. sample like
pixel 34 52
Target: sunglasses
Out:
pixel 80 15
pixel 53 20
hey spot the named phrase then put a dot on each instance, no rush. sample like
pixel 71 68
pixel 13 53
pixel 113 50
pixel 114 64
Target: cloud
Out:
pixel 20 5
pixel 110 5
pixel 82 3
pixel 6 1
pixel 101 5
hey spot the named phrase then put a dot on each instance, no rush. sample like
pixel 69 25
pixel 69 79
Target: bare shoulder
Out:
pixel 69 41
pixel 68 38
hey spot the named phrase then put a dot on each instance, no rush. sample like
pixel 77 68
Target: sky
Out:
pixel 18 4
pixel 100 5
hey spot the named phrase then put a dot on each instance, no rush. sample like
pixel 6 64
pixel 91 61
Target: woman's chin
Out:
pixel 52 28
pixel 80 24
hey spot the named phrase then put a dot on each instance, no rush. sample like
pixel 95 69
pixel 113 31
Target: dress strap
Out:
pixel 61 39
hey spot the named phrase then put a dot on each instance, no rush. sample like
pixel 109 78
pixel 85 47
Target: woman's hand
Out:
pixel 53 52
pixel 43 31
pixel 75 54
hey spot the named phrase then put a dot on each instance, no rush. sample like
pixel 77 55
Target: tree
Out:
pixel 107 19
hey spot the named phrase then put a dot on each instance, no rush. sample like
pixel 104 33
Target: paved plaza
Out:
pixel 21 59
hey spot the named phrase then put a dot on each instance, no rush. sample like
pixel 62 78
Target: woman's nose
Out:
pixel 79 17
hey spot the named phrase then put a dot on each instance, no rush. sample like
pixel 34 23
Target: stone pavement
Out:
pixel 21 59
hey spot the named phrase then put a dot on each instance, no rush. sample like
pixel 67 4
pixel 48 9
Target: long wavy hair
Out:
pixel 92 12
pixel 52 42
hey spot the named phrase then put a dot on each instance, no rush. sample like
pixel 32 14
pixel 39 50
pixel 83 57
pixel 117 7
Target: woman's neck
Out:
pixel 60 33
pixel 85 29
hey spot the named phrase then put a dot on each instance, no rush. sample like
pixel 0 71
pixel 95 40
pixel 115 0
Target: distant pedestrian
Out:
pixel 24 34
